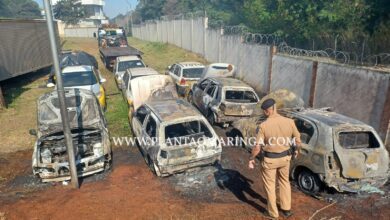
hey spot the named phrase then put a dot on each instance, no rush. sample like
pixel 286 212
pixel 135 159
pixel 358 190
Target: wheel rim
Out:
pixel 307 182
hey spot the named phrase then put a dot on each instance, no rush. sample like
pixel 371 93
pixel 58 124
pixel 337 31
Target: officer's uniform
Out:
pixel 276 160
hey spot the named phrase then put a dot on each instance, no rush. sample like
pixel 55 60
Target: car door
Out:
pixel 177 74
pixel 307 151
pixel 208 97
pixel 149 135
pixel 138 120
pixel 172 70
pixel 198 91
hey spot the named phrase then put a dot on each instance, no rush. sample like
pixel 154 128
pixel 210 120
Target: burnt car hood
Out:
pixel 82 106
pixel 154 87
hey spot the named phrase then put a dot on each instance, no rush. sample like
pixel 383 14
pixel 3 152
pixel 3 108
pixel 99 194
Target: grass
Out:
pixel 21 97
pixel 160 55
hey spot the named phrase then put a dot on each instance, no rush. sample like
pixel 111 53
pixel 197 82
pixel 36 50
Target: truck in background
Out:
pixel 112 42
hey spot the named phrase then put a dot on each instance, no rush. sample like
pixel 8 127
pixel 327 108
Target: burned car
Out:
pixel 89 132
pixel 337 151
pixel 223 100
pixel 174 136
pixel 148 88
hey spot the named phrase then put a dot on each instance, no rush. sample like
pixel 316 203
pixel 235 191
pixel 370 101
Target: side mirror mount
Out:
pixel 169 67
pixel 103 80
pixel 33 132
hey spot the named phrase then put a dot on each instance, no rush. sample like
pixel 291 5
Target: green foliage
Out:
pixel 310 24
pixel 69 11
pixel 22 9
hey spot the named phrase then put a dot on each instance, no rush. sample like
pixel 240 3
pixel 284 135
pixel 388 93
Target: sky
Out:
pixel 112 7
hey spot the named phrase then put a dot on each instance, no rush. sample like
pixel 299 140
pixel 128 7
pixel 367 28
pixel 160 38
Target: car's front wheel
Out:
pixel 309 182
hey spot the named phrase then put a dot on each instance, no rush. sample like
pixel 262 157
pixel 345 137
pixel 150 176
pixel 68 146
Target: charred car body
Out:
pixel 175 137
pixel 338 151
pixel 89 132
pixel 223 100
pixel 149 88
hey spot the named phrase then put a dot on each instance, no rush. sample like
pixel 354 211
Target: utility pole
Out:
pixel 129 13
pixel 61 96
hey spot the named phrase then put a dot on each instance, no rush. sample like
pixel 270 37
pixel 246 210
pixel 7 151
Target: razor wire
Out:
pixel 328 54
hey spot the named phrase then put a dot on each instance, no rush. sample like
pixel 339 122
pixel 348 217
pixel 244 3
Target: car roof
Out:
pixel 175 109
pixel 190 64
pixel 128 58
pixel 227 81
pixel 142 71
pixel 81 68
pixel 220 64
pixel 328 118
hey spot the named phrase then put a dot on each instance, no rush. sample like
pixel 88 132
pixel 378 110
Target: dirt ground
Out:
pixel 131 191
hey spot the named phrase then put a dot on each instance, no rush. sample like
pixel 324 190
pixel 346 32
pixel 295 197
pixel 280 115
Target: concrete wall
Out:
pixel 80 32
pixel 356 92
pixel 292 74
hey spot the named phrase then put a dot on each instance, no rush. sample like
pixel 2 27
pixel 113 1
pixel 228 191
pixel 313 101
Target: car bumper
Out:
pixel 166 170
pixel 183 90
pixel 85 167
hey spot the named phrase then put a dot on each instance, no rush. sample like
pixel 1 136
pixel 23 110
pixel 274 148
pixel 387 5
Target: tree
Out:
pixel 69 11
pixel 24 9
pixel 29 10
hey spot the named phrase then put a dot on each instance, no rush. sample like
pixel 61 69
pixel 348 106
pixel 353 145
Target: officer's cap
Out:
pixel 267 104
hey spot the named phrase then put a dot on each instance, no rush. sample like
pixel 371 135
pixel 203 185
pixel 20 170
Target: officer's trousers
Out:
pixel 276 169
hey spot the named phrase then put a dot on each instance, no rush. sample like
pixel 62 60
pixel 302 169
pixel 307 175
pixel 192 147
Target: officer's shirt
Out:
pixel 276 132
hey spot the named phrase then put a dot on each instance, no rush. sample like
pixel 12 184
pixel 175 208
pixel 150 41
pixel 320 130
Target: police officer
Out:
pixel 274 139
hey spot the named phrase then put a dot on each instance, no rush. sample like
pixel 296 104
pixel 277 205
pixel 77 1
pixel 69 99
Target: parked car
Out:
pixel 130 75
pixel 170 126
pixel 123 63
pixel 337 151
pixel 85 77
pixel 185 74
pixel 219 69
pixel 223 100
pixel 89 131
pixel 148 88
pixel 72 58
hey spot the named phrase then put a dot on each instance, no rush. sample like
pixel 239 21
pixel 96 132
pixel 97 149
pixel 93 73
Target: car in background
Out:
pixel 123 63
pixel 223 100
pixel 337 151
pixel 185 74
pixel 130 75
pixel 175 137
pixel 72 58
pixel 85 77
pixel 148 88
pixel 219 69
pixel 89 131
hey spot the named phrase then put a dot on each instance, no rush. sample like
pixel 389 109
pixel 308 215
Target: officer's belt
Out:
pixel 276 155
